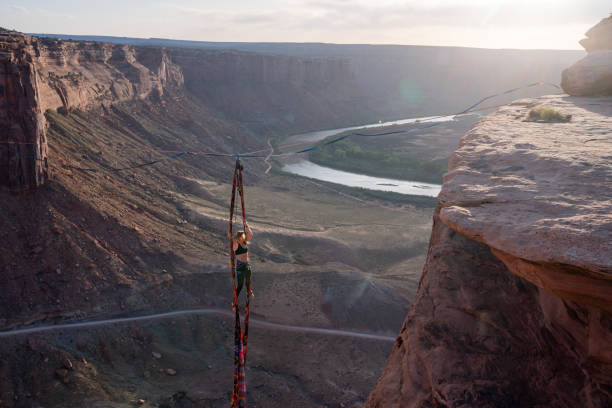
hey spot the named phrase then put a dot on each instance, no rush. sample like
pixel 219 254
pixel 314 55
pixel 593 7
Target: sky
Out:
pixel 525 24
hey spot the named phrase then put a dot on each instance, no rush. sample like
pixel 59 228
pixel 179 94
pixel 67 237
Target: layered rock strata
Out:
pixel 592 75
pixel 264 93
pixel 40 74
pixel 23 146
pixel 513 308
pixel 274 91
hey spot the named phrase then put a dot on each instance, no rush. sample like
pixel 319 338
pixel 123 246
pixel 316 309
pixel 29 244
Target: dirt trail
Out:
pixel 253 322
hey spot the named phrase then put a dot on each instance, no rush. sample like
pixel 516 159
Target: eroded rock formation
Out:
pixel 514 305
pixel 265 93
pixel 599 37
pixel 40 74
pixel 592 75
pixel 23 151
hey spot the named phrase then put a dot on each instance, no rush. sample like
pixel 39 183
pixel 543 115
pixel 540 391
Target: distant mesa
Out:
pixel 592 75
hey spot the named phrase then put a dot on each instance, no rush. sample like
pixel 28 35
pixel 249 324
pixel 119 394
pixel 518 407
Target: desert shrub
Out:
pixel 546 114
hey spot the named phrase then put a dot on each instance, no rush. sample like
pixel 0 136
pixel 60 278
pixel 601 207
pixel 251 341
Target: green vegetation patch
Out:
pixel 348 156
pixel 546 114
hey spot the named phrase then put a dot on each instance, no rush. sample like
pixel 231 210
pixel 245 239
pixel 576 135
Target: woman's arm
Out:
pixel 249 233
pixel 233 241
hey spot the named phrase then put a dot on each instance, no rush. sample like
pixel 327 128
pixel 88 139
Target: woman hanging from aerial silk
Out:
pixel 243 269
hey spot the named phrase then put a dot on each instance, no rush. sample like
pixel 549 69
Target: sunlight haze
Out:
pixel 546 24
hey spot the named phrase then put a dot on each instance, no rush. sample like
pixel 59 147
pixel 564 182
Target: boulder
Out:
pixel 591 76
pixel 599 37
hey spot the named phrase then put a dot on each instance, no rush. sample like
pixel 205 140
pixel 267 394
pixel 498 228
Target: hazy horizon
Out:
pixel 64 35
pixel 496 24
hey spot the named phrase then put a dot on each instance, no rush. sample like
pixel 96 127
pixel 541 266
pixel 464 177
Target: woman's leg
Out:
pixel 248 281
pixel 240 272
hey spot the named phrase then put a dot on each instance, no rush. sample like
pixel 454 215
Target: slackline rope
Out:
pixel 253 154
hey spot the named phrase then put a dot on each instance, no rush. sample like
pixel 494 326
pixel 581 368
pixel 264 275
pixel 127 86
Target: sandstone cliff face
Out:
pixel 84 75
pixel 265 93
pixel 271 93
pixel 514 305
pixel 23 151
pixel 40 74
pixel 539 194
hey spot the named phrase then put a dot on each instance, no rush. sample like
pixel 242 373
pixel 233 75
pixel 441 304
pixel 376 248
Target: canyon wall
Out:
pixel 40 74
pixel 23 147
pixel 275 93
pixel 402 81
pixel 264 94
pixel 514 306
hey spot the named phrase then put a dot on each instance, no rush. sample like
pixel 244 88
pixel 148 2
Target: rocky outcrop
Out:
pixel 23 147
pixel 592 75
pixel 77 75
pixel 40 74
pixel 599 37
pixel 513 308
pixel 539 194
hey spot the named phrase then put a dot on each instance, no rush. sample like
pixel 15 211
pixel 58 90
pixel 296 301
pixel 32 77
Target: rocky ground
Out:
pixel 184 362
pixel 554 176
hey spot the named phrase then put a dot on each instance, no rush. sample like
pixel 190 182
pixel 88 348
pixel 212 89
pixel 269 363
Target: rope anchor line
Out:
pixel 258 153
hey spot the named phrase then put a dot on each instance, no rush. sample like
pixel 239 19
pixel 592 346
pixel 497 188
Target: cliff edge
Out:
pixel 513 308
pixel 540 195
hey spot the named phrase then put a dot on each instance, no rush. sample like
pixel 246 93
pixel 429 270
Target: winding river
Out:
pixel 306 168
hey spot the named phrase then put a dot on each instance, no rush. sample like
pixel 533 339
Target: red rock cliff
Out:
pixel 23 151
pixel 265 93
pixel 275 92
pixel 514 306
pixel 40 74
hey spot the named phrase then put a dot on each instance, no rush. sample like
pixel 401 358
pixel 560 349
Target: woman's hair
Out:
pixel 240 234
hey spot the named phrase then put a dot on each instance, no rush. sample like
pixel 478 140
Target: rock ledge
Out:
pixel 540 195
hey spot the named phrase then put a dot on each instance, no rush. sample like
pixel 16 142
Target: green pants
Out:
pixel 243 270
